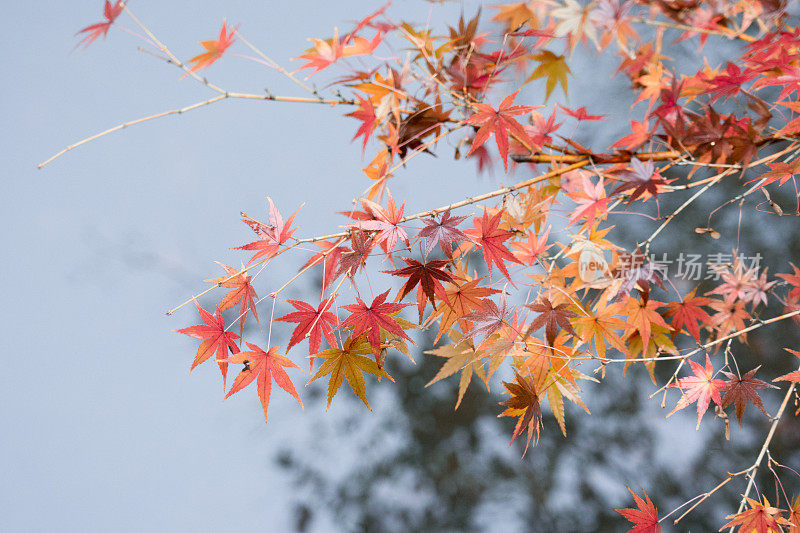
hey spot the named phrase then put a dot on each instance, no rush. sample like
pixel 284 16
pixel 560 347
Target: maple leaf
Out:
pixel 528 251
pixel 760 518
pixel 778 171
pixel 443 232
pixel 524 403
pixel 740 390
pixel 689 313
pixel 580 113
pixel 428 276
pixel 329 259
pixel 553 67
pixel 110 12
pixel 323 54
pixel 353 260
pixel 370 319
pixel 552 318
pixel 273 235
pixel 794 517
pixel 386 223
pixel 601 326
pixel 794 125
pixel 575 22
pixel 793 280
pixel 312 323
pixel 645 517
pixel 215 339
pixel 491 237
pixel 514 16
pixel 459 302
pixel 730 316
pixel 641 134
pixel 214 49
pixel 642 315
pixel 242 292
pixel 728 83
pixel 791 376
pixel 366 114
pixel 267 366
pixel 644 179
pixel 488 319
pixel 592 201
pixel 351 363
pixel 460 356
pixel 500 124
pixel 702 388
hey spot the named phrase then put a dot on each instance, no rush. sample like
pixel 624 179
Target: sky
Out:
pixel 104 426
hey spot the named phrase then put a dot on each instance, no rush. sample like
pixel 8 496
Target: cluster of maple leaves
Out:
pixel 546 305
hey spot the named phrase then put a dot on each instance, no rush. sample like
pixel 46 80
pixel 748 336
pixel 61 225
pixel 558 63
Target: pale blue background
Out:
pixel 103 427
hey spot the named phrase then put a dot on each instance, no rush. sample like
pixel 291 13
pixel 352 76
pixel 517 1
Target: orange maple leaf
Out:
pixel 214 49
pixel 267 366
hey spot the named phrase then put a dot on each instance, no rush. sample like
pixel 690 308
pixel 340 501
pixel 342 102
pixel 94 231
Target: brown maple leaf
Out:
pixel 740 390
pixel 552 318
pixel 524 403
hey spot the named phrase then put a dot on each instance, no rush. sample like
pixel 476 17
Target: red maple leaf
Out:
pixel 791 376
pixel 740 390
pixel 689 313
pixel 366 114
pixel 640 135
pixel 701 388
pixel 645 517
pixel 267 366
pixel 272 235
pixel 428 276
pixel 500 124
pixel 580 113
pixel 312 323
pixel 110 12
pixel 216 339
pixel 385 222
pixel 214 49
pixel 490 237
pixel 370 319
pixel 242 293
pixel 793 280
pixel 443 232
pixel 329 259
pixel 591 201
pixel 778 171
